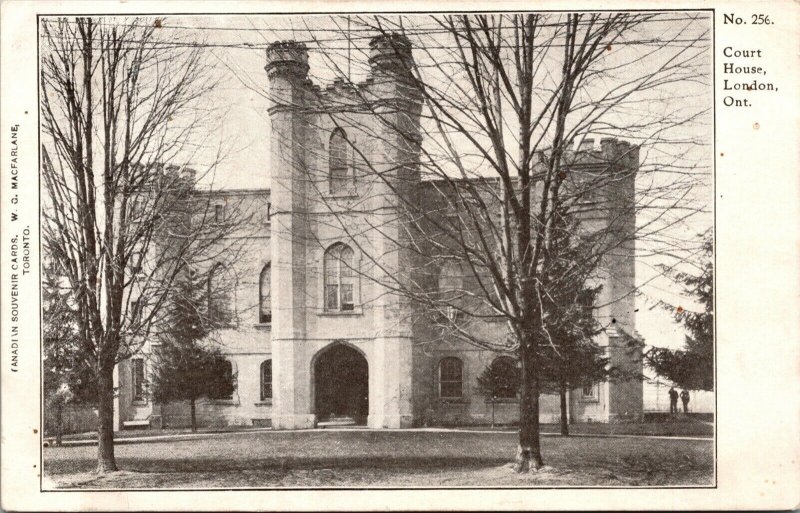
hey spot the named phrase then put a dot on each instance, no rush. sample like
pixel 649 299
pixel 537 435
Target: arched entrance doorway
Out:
pixel 341 384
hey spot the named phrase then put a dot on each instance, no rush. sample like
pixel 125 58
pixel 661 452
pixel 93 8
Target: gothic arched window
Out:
pixel 138 380
pixel 266 380
pixel 264 299
pixel 340 177
pixel 451 376
pixel 340 279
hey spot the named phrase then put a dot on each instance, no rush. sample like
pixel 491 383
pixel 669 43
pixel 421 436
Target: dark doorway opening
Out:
pixel 341 385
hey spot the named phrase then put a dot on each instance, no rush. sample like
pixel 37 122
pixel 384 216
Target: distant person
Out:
pixel 673 400
pixel 685 400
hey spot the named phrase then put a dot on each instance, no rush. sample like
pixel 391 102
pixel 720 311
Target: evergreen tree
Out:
pixel 188 368
pixel 499 380
pixel 692 367
pixel 570 357
pixel 67 374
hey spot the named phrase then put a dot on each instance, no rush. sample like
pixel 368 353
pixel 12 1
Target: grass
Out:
pixel 668 426
pixel 382 458
pixel 691 429
pixel 674 428
pixel 143 433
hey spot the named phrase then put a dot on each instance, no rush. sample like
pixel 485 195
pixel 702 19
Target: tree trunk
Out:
pixel 564 416
pixel 193 415
pixel 529 455
pixel 105 422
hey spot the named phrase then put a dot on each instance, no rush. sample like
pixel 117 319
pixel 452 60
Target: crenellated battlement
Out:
pixel 612 155
pixel 287 57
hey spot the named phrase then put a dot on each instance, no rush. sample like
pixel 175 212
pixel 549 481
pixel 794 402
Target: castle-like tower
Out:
pixel 306 123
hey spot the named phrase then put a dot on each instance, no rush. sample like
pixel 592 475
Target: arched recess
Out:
pixel 340 278
pixel 265 295
pixel 265 373
pixel 340 383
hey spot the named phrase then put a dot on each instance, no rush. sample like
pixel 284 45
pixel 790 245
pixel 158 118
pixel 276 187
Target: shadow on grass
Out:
pixel 157 465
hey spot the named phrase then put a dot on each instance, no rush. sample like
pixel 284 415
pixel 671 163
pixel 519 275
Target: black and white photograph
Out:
pixel 375 250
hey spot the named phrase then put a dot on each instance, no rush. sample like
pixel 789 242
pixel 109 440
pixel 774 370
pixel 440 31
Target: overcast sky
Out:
pixel 235 49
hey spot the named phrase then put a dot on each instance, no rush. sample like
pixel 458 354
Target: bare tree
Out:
pixel 471 160
pixel 122 217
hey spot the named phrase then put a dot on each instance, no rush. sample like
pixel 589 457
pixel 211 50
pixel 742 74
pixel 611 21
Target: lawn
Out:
pixel 669 426
pixel 690 429
pixel 369 458
pixel 678 427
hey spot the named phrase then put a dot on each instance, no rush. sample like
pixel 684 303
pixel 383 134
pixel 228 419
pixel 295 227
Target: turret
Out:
pixel 398 101
pixel 390 54
pixel 287 58
pixel 287 69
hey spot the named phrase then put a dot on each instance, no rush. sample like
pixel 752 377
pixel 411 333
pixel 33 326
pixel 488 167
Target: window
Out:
pixel 506 375
pixel 137 378
pixel 451 287
pixel 228 370
pixel 340 278
pixel 340 178
pixel 136 261
pixel 219 213
pixel 264 300
pixel 450 378
pixel 588 390
pixel 135 310
pixel 266 380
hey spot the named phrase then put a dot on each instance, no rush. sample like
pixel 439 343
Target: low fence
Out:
pixel 74 419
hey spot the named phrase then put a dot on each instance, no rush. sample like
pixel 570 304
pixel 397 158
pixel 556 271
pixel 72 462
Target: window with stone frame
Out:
pixel 451 290
pixel 264 296
pixel 266 380
pixel 588 391
pixel 230 372
pixel 340 278
pixel 138 380
pixel 340 178
pixel 451 376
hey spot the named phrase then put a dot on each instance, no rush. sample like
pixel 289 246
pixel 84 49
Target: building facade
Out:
pixel 316 334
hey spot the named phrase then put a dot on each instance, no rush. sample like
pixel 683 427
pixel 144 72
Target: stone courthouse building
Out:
pixel 315 337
